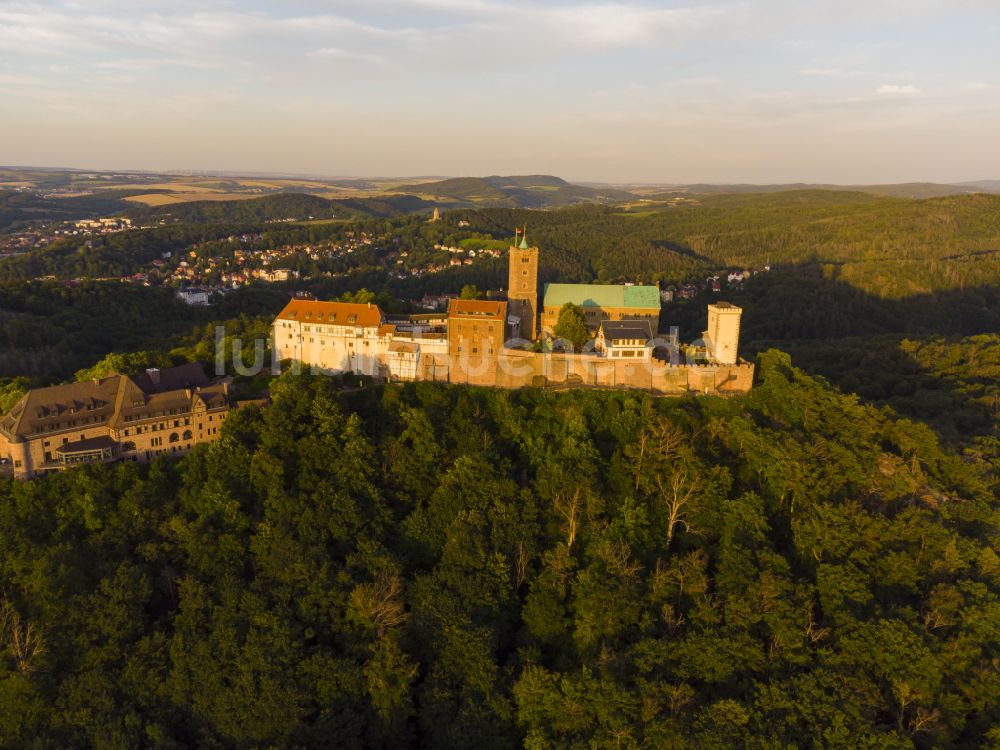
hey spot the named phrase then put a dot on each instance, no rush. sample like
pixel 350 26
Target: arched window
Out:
pixel 187 434
pixel 128 446
pixel 174 437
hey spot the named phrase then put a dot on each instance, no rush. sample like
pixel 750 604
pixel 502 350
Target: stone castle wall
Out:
pixel 515 368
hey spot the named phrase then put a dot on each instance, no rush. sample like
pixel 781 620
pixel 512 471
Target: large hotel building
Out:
pixel 114 418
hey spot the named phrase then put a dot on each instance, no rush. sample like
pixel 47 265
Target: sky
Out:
pixel 768 91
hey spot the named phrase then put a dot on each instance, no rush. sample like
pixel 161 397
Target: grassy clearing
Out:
pixel 284 184
pixel 167 199
pixel 175 187
pixel 322 221
pixel 476 244
pixel 637 214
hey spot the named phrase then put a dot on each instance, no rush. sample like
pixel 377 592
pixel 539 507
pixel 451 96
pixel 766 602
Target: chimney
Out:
pixel 154 375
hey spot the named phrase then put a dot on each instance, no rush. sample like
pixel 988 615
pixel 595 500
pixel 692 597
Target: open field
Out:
pixel 176 187
pixel 284 184
pixel 346 193
pixel 314 222
pixel 167 199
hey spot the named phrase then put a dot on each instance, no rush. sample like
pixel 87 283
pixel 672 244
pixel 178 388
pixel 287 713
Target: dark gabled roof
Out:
pixel 190 375
pixel 58 404
pixel 615 330
pixel 109 400
pixel 213 396
pixel 88 444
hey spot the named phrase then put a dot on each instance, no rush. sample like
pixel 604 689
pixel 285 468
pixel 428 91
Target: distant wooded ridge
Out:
pixel 514 191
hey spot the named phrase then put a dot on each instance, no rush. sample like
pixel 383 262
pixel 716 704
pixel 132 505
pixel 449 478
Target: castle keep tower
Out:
pixel 723 335
pixel 522 284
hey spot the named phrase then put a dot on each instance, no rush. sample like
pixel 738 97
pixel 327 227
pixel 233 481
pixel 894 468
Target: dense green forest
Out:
pixel 281 206
pixel 367 565
pixel 428 566
pixel 48 331
pixel 887 247
pixel 951 383
pixel 19 209
pixel 516 191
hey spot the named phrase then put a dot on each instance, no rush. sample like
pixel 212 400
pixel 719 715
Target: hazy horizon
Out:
pixel 630 92
pixel 423 177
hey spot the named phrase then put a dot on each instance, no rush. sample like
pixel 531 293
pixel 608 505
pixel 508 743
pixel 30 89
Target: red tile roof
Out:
pixel 332 313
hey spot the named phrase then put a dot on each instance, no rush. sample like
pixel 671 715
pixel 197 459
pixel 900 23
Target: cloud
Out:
pixel 585 73
pixel 476 30
pixel 838 72
pixel 895 89
pixel 980 86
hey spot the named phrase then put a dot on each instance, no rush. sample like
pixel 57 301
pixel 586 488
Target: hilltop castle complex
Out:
pixel 492 343
pixel 480 342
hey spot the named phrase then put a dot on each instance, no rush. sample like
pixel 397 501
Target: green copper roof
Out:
pixel 602 295
pixel 524 243
pixel 642 296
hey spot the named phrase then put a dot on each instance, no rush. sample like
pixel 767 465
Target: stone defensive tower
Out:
pixel 723 335
pixel 522 284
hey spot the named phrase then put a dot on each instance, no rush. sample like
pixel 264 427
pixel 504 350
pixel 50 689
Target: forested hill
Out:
pixel 888 247
pixel 282 206
pixel 517 191
pixel 21 209
pixel 885 247
pixel 894 190
pixel 424 566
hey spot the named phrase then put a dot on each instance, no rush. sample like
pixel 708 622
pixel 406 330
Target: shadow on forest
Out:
pixel 682 249
pixel 854 338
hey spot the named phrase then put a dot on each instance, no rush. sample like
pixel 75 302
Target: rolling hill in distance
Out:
pixel 135 189
pixel 898 190
pixel 517 191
